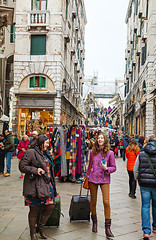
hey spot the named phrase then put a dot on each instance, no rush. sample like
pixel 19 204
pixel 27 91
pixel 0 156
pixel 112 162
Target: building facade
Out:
pixel 7 37
pixel 48 63
pixel 140 69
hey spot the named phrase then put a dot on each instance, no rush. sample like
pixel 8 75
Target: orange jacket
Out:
pixel 131 158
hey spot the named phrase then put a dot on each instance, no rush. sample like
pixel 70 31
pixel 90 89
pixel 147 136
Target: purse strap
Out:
pixel 90 165
pixel 150 163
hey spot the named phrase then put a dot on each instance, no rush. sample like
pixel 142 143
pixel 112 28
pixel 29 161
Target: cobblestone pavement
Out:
pixel 126 222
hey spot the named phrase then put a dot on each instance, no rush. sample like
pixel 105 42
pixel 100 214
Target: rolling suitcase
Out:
pixel 54 219
pixel 80 207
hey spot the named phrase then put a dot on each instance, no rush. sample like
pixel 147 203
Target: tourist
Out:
pixel 22 148
pixel 9 149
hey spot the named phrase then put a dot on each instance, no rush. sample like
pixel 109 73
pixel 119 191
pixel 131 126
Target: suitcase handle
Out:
pixel 81 190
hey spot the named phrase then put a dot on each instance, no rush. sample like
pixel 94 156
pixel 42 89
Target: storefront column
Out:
pixel 149 119
pixel 57 110
pixel 15 116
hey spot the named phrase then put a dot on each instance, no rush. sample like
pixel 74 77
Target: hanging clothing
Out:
pixel 63 154
pixel 72 162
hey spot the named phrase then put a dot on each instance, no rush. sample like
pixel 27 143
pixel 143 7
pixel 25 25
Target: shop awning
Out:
pixel 4 118
pixel 114 99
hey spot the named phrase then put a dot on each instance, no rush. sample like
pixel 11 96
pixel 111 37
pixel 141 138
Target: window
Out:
pixel 144 88
pixel 12 33
pixel 38 44
pixel 37 82
pixel 144 54
pixel 39 5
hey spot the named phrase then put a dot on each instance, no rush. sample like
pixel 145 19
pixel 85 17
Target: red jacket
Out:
pixel 22 144
pixel 131 158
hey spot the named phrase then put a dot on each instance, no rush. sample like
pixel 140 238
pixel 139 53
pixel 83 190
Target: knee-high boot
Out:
pixel 94 219
pixel 107 228
pixel 32 218
pixel 43 219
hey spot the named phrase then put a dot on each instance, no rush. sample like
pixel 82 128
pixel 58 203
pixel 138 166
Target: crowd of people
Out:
pixel 36 160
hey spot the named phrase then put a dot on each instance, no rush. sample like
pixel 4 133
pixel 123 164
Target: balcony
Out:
pixel 67 32
pixel 3 2
pixel 145 29
pixel 6 13
pixel 38 19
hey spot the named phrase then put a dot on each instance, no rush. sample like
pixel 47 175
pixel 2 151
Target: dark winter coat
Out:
pixel 29 164
pixel 9 143
pixel 126 141
pixel 146 177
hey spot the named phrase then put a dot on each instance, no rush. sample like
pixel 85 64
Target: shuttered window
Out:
pixel 12 33
pixel 38 44
pixel 144 49
pixel 37 82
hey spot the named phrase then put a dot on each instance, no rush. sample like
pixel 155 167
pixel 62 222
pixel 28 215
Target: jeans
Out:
pixel 15 150
pixel 148 194
pixel 132 183
pixel 105 189
pixel 8 161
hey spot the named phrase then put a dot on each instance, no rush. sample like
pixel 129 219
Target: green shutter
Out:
pixel 32 82
pixel 38 45
pixel 42 82
pixel 12 33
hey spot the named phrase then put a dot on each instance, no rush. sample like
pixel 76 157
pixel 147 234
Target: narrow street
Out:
pixel 126 221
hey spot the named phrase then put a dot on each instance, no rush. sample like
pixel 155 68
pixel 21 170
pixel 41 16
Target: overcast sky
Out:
pixel 106 38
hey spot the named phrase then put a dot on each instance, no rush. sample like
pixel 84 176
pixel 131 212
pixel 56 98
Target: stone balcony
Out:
pixel 6 13
pixel 38 19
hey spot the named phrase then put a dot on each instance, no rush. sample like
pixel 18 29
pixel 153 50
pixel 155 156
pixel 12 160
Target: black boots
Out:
pixel 32 218
pixel 107 228
pixel 94 219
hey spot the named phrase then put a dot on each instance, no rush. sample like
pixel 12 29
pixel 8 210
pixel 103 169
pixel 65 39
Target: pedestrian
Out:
pixel 100 176
pixel 34 136
pixel 132 152
pixel 22 148
pixel 16 142
pixel 2 154
pixel 39 184
pixel 141 142
pixel 145 172
pixel 121 147
pixel 9 149
pixel 126 140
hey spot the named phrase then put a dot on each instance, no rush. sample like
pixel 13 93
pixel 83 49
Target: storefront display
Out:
pixel 34 119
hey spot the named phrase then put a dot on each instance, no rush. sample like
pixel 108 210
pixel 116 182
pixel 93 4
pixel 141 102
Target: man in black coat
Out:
pixel 145 171
pixel 9 148
pixel 2 154
pixel 126 140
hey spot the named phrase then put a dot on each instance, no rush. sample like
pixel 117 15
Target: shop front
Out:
pixel 35 113
pixel 129 120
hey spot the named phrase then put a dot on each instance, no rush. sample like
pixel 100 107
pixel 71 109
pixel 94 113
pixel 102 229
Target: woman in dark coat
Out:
pixel 39 184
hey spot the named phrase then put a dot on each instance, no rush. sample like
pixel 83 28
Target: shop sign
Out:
pixel 131 109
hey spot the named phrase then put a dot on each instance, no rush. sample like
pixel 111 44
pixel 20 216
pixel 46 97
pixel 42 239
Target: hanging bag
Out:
pixel 86 181
pixel 150 163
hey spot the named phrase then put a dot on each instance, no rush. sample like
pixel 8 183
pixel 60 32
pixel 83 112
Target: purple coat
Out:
pixel 97 174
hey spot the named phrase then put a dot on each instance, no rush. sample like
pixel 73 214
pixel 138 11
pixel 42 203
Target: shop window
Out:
pixel 38 44
pixel 37 82
pixel 39 5
pixel 12 33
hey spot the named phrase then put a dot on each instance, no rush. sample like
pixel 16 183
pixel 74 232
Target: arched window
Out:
pixel 144 88
pixel 37 82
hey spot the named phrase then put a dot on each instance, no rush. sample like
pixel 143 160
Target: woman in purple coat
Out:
pixel 103 165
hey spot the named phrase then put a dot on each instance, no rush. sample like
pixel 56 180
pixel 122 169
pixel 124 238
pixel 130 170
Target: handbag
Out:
pixel 86 181
pixel 150 163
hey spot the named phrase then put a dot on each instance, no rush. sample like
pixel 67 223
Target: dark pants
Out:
pixel 2 156
pixel 123 154
pixel 132 183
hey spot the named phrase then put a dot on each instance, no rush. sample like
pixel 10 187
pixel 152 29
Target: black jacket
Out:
pixel 146 177
pixel 9 143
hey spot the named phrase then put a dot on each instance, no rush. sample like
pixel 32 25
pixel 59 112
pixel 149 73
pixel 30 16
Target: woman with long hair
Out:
pixel 39 184
pixel 22 148
pixel 103 164
pixel 132 152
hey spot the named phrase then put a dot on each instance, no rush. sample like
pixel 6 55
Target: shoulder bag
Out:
pixel 150 163
pixel 86 181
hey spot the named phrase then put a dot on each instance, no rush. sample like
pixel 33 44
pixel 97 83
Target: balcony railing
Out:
pixel 38 19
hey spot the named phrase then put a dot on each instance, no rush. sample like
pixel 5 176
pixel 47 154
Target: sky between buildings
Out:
pixel 105 38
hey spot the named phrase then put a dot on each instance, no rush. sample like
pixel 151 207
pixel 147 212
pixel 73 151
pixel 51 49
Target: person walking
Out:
pixel 126 140
pixel 16 142
pixel 2 154
pixel 22 147
pixel 39 187
pixel 9 149
pixel 132 152
pixel 34 137
pixel 100 176
pixel 145 172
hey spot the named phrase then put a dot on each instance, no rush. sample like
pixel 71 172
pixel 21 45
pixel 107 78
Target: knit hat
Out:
pixel 35 133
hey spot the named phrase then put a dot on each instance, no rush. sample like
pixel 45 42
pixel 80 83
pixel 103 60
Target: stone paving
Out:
pixel 126 222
